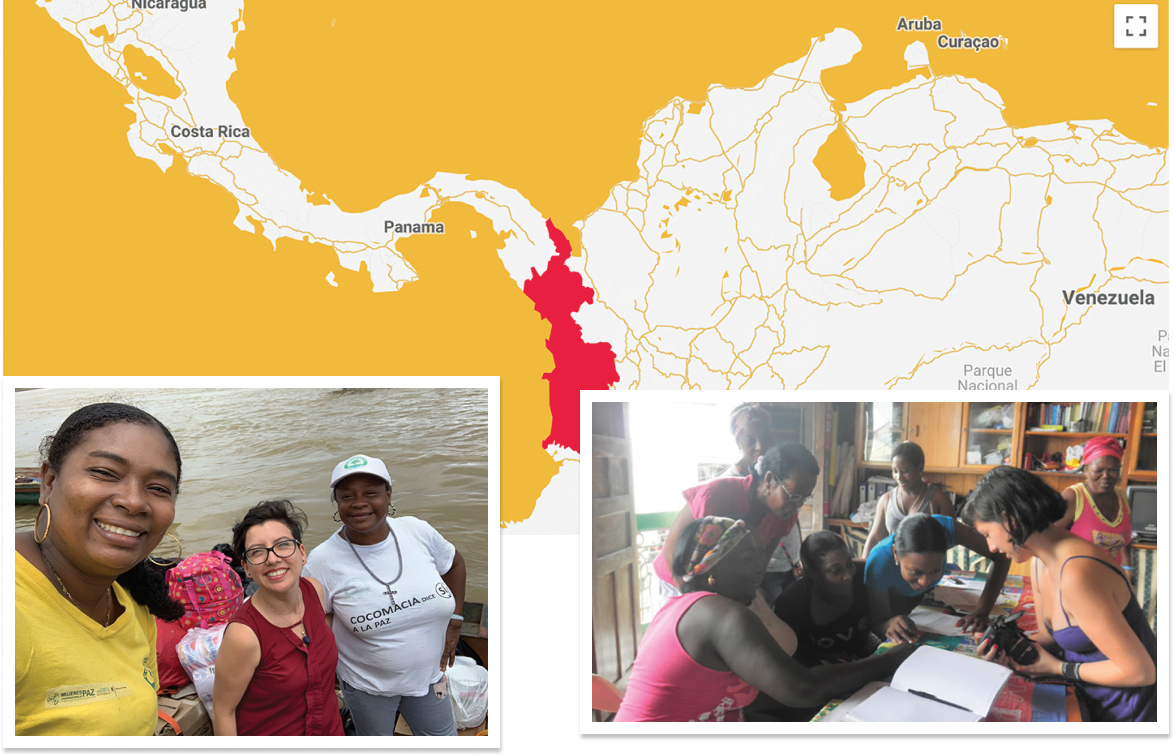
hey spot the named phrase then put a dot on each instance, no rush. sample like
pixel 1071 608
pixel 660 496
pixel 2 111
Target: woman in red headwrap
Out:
pixel 1097 510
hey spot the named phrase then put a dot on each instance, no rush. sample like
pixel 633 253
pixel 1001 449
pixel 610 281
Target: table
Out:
pixel 1021 700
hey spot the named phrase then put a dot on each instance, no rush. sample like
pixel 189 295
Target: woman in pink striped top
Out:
pixel 705 656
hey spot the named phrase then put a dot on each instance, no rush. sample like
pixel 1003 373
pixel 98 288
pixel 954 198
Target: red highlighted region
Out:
pixel 557 294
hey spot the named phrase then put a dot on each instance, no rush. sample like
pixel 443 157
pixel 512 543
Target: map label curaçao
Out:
pixel 945 41
pixel 223 132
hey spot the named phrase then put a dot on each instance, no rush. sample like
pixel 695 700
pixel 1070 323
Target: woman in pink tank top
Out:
pixel 1097 510
pixel 705 655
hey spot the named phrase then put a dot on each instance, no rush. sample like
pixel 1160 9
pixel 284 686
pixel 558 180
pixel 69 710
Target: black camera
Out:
pixel 1005 633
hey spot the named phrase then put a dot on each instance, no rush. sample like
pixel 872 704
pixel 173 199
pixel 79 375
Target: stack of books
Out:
pixel 1081 417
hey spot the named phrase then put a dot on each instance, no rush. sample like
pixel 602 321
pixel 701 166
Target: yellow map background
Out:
pixel 112 267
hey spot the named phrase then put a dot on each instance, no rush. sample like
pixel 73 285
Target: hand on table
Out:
pixel 975 622
pixel 902 629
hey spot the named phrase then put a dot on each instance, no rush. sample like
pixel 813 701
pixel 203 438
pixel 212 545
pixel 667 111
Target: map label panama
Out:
pixel 412 228
pixel 1112 298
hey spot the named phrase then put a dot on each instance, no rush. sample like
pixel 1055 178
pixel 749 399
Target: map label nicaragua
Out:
pixel 179 5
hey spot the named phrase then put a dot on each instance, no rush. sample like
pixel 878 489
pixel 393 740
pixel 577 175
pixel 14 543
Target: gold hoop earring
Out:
pixel 48 523
pixel 173 560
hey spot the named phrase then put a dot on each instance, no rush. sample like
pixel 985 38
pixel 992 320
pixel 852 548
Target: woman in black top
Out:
pixel 828 609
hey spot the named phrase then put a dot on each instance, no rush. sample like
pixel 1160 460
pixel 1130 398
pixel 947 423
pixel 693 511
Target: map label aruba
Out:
pixel 945 41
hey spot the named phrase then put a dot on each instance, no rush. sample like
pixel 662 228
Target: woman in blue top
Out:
pixel 909 563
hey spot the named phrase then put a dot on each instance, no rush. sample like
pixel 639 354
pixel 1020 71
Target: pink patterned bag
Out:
pixel 207 587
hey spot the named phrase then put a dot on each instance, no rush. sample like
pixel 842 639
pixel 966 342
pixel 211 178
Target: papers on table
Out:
pixel 939 623
pixel 963 592
pixel 934 685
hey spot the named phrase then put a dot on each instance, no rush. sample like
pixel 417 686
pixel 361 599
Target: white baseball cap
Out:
pixel 360 463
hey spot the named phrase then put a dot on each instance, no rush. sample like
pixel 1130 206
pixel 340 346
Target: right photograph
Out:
pixel 951 562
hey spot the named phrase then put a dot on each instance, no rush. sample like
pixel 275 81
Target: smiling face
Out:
pixel 1103 474
pixel 276 574
pixel 834 572
pixel 907 475
pixel 921 570
pixel 363 501
pixel 113 498
pixel 998 540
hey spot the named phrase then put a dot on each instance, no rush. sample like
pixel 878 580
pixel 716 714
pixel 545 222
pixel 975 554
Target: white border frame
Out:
pixel 583 716
pixel 493 529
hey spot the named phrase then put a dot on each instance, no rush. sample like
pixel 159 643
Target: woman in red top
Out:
pixel 275 667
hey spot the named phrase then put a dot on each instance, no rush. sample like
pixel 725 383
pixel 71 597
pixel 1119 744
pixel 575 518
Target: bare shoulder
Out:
pixel 942 504
pixel 1087 573
pixel 240 638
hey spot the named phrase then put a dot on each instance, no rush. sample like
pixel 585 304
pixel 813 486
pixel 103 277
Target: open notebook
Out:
pixel 934 685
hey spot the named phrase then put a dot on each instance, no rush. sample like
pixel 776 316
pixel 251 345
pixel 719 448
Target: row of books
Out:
pixel 1082 417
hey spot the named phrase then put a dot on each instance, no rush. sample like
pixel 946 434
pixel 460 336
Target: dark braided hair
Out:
pixel 144 584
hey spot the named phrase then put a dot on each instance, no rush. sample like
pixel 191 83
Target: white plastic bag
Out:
pixel 197 653
pixel 468 690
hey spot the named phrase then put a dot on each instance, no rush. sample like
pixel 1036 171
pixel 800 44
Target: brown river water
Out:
pixel 240 446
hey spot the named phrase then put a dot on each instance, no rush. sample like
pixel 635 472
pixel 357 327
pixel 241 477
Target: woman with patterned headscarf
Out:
pixel 705 655
pixel 1097 510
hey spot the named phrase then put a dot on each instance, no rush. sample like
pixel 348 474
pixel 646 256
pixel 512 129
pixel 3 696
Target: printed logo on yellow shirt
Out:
pixel 147 675
pixel 80 695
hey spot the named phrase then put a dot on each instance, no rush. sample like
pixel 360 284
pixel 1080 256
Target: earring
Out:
pixel 48 523
pixel 336 519
pixel 392 513
pixel 710 581
pixel 168 561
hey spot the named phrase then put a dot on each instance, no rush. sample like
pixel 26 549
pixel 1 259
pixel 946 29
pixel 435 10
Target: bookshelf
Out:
pixel 951 434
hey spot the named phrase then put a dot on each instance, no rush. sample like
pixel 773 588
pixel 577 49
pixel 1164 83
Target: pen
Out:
pixel 932 697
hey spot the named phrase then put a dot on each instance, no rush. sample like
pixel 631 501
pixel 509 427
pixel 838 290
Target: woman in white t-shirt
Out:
pixel 393 587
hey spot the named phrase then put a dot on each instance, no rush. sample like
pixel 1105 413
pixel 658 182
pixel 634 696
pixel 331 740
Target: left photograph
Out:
pixel 254 561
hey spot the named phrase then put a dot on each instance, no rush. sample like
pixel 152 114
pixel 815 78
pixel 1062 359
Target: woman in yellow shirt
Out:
pixel 85 637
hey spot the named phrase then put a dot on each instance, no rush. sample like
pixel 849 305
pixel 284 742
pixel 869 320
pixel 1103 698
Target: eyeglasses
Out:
pixel 280 549
pixel 794 498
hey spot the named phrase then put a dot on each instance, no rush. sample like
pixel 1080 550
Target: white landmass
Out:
pixel 727 264
pixel 193 47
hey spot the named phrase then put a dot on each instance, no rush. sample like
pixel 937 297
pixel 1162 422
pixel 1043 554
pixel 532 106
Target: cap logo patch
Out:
pixel 354 462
